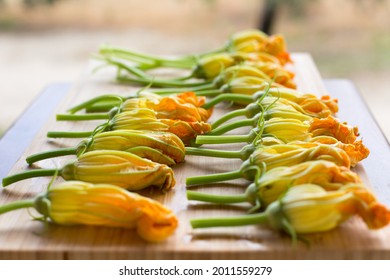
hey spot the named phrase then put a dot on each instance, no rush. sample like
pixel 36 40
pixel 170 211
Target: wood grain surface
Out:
pixel 23 238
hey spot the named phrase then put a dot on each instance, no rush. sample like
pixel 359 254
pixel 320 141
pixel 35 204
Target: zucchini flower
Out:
pixel 178 108
pixel 356 151
pixel 245 46
pixel 274 183
pixel 80 203
pixel 184 106
pixel 276 72
pixel 253 41
pixel 142 119
pixel 276 122
pixel 119 168
pixel 308 208
pixel 270 107
pixel 309 104
pixel 186 131
pixel 333 127
pixel 286 130
pixel 269 157
pixel 248 85
pixel 278 76
pixel 161 147
pixel 212 65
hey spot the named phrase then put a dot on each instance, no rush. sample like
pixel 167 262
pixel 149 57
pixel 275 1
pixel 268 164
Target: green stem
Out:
pixel 16 205
pixel 213 178
pixel 228 116
pixel 230 126
pixel 183 62
pixel 85 117
pixel 236 221
pixel 101 107
pixel 212 153
pixel 69 134
pixel 159 83
pixel 207 86
pixel 92 101
pixel 213 198
pixel 28 174
pixel 50 154
pixel 206 139
pixel 228 97
pixel 212 92
pixel 120 64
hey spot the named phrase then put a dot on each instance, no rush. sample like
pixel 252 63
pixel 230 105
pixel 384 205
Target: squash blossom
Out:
pixel 253 41
pixel 276 72
pixel 143 119
pixel 186 131
pixel 185 106
pixel 308 208
pixel 274 183
pixel 278 76
pixel 211 65
pixel 267 107
pixel 81 203
pixel 181 109
pixel 119 168
pixel 265 158
pixel 288 155
pixel 133 140
pixel 356 151
pixel 158 146
pixel 309 104
pixel 333 127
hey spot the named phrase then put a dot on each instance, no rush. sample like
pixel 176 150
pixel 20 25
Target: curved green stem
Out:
pixel 228 97
pixel 50 154
pixel 228 116
pixel 235 221
pixel 226 139
pixel 120 64
pixel 159 83
pixel 182 62
pixel 212 153
pixel 230 126
pixel 211 92
pixel 213 178
pixel 206 86
pixel 85 117
pixel 92 101
pixel 213 198
pixel 101 107
pixel 69 134
pixel 29 174
pixel 16 205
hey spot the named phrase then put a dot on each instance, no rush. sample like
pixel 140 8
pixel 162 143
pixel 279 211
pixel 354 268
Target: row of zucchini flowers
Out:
pixel 298 159
pixel 132 150
pixel 100 162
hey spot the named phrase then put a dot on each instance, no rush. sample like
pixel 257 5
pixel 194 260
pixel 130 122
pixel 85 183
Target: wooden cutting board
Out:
pixel 23 238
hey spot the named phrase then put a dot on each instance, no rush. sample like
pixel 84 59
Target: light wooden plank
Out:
pixel 22 238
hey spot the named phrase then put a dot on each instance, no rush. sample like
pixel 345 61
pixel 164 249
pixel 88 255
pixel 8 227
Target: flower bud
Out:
pixel 160 143
pixel 289 155
pixel 184 106
pixel 212 65
pixel 333 127
pixel 75 202
pixel 308 208
pixel 119 168
pixel 274 183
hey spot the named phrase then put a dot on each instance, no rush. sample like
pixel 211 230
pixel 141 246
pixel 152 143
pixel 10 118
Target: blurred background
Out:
pixel 47 41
